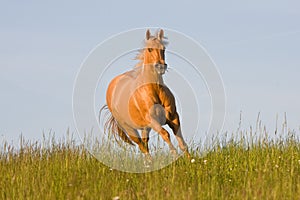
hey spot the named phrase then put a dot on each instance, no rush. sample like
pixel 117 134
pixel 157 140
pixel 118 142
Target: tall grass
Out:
pixel 240 168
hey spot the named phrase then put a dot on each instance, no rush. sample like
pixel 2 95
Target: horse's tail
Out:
pixel 111 126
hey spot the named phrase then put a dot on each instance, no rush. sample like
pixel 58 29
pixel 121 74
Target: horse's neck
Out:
pixel 149 75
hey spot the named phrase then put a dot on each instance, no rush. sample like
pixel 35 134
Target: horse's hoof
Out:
pixel 174 154
pixel 147 163
pixel 187 154
pixel 147 166
pixel 147 160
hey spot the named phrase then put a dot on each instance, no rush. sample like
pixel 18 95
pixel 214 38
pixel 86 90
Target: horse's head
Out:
pixel 154 52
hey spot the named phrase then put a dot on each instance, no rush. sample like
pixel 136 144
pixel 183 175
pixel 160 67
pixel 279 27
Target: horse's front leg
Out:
pixel 145 139
pixel 174 124
pixel 156 126
pixel 157 118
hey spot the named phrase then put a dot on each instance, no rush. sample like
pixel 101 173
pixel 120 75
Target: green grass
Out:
pixel 261 169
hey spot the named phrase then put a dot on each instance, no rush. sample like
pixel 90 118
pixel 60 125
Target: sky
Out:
pixel 42 45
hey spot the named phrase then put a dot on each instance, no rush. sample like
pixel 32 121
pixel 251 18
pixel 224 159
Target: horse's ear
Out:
pixel 160 34
pixel 148 34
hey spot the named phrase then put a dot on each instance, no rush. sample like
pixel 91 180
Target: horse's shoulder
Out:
pixel 165 94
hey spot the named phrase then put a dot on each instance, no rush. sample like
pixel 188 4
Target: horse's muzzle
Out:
pixel 160 68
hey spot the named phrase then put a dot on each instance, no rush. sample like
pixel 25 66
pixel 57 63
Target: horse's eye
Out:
pixel 149 49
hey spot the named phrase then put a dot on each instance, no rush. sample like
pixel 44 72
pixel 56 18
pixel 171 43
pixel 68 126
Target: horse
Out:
pixel 140 100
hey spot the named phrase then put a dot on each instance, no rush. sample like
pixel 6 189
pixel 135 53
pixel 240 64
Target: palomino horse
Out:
pixel 139 100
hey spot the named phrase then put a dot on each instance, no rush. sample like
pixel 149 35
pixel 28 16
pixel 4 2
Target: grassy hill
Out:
pixel 264 169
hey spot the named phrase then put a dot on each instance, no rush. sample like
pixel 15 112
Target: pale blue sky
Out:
pixel 42 44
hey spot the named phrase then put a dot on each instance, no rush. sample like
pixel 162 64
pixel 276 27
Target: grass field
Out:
pixel 236 169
